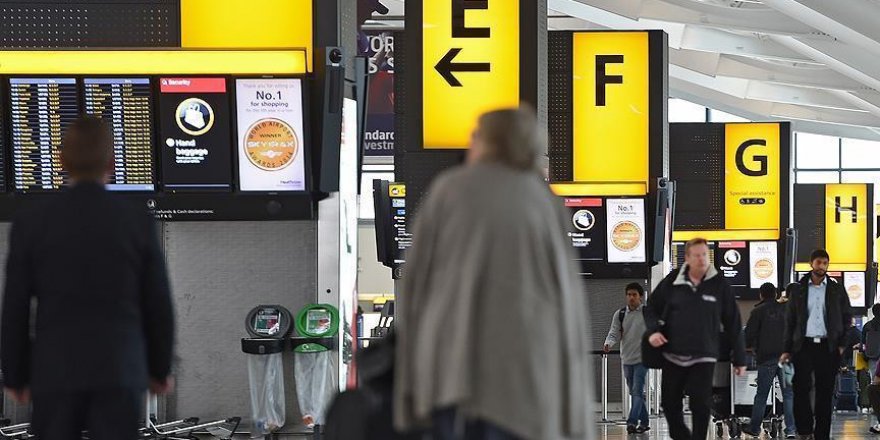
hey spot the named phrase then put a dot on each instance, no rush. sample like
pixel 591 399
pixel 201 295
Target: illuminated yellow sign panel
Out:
pixel 470 65
pixel 846 223
pixel 611 114
pixel 153 62
pixel 253 24
pixel 751 177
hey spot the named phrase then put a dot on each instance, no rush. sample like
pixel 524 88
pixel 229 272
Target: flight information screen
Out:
pixel 125 103
pixel 41 109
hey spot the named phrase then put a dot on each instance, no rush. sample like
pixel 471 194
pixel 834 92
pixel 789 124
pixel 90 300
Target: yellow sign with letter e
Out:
pixel 470 65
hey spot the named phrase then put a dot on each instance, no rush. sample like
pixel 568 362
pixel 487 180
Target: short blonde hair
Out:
pixel 512 137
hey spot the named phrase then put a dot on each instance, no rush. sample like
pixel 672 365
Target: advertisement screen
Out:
pixel 378 47
pixel 271 144
pixel 626 230
pixel 763 256
pixel 854 283
pixel 194 134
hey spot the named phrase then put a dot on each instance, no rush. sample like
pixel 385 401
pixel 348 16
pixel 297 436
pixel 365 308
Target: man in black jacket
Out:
pixel 816 318
pixel 687 314
pixel 871 330
pixel 104 324
pixel 764 337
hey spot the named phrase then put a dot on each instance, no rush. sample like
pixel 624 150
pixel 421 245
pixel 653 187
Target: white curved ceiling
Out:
pixel 814 62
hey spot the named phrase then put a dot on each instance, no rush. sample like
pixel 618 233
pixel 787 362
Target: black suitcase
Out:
pixel 847 392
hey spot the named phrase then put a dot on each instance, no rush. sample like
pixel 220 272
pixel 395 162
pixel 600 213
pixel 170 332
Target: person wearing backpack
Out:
pixel 764 337
pixel 871 339
pixel 628 327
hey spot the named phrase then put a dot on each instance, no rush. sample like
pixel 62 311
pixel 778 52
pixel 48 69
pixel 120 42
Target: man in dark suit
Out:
pixel 816 319
pixel 104 326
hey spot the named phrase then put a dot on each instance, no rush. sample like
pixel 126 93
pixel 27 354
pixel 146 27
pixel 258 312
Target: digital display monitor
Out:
pixel 587 230
pixel 41 109
pixel 3 133
pixel 271 144
pixel 125 103
pixel 732 258
pixel 195 139
pixel 625 227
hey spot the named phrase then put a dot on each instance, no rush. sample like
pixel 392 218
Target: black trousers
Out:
pixel 874 398
pixel 113 414
pixel 821 362
pixel 696 382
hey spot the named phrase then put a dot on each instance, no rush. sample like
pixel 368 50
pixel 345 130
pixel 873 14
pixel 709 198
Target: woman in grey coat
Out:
pixel 491 321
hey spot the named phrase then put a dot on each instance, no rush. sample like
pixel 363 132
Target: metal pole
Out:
pixel 604 387
pixel 732 393
pixel 773 393
pixel 658 395
pixel 625 403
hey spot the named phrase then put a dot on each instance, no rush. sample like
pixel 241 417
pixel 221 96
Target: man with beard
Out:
pixel 816 319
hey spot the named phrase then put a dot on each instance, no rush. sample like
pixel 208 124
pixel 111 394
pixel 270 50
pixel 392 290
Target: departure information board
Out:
pixel 41 108
pixel 125 103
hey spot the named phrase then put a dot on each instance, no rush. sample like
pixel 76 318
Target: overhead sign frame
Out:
pixel 745 160
pixel 460 53
pixel 601 81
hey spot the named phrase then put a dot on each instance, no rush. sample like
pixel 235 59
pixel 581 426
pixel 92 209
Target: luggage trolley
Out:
pixel 184 429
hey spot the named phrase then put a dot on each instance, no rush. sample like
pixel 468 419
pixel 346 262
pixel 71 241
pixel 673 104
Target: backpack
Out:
pixel 621 314
pixel 872 344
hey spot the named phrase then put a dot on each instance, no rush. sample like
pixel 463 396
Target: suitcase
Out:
pixel 847 392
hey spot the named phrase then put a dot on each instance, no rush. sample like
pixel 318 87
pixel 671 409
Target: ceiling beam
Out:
pixel 761 111
pixel 852 21
pixel 706 14
pixel 845 59
pixel 751 68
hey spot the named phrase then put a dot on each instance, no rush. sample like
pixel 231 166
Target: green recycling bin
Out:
pixel 314 361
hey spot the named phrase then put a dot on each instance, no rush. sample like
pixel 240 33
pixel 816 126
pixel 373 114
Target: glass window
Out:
pixel 720 116
pixel 861 177
pixel 857 153
pixel 815 151
pixel 365 210
pixel 817 177
pixel 686 111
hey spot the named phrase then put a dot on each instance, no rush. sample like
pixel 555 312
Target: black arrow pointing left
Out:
pixel 446 67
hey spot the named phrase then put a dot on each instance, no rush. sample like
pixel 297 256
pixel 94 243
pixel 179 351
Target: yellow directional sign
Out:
pixel 751 176
pixel 611 107
pixel 470 65
pixel 846 222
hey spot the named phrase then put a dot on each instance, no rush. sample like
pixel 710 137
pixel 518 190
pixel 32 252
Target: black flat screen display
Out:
pixel 195 137
pixel 41 109
pixel 126 104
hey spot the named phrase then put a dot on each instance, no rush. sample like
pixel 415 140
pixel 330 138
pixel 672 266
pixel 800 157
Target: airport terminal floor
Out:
pixel 845 426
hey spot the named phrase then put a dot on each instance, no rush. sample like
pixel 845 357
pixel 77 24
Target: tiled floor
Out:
pixel 847 426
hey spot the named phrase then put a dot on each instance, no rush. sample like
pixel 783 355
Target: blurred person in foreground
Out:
pixel 492 327
pixel 104 324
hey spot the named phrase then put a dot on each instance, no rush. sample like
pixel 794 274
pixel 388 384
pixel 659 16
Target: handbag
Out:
pixel 652 357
